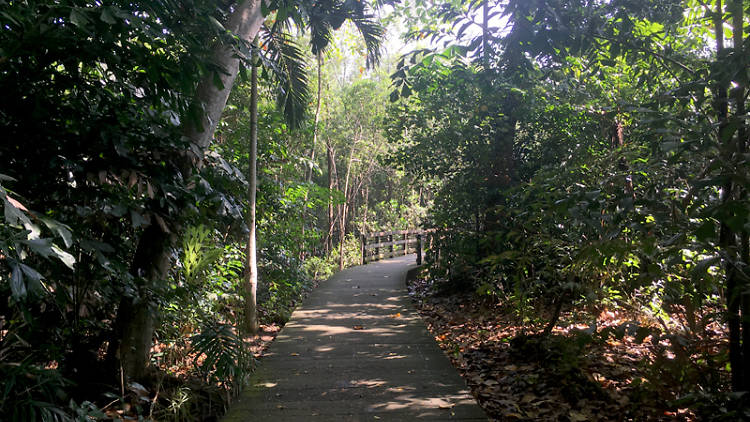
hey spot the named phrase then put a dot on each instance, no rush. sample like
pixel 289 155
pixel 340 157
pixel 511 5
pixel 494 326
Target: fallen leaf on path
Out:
pixel 358 327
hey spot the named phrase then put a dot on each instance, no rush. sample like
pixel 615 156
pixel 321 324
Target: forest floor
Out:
pixel 515 373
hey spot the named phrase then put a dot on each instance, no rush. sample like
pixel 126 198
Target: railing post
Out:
pixel 406 243
pixel 377 248
pixel 390 247
pixel 364 249
pixel 419 248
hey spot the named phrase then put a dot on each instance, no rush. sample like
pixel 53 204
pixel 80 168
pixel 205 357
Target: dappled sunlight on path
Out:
pixel 357 351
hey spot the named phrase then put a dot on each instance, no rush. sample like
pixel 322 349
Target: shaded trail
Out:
pixel 357 350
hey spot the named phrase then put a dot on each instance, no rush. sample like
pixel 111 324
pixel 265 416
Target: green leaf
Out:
pixel 30 272
pixel 17 288
pixel 706 231
pixel 107 16
pixel 13 215
pixel 405 91
pixel 60 229
pixel 216 24
pixel 78 18
pixel 138 220
pixel 34 278
pixel 42 246
pixel 63 256
pixel 217 81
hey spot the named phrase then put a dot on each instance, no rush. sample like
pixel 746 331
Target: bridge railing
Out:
pixel 381 245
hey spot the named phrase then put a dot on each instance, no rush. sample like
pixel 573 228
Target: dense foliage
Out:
pixel 591 155
pixel 119 232
pixel 574 156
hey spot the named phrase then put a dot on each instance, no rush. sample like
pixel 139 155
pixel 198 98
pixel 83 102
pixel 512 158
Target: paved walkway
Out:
pixel 357 350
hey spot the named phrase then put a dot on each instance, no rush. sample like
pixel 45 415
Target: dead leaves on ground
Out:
pixel 601 386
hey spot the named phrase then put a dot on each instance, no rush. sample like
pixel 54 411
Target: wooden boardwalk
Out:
pixel 357 350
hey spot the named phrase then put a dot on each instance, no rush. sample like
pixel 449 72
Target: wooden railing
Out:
pixel 377 246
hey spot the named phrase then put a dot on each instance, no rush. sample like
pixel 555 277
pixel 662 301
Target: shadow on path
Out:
pixel 357 350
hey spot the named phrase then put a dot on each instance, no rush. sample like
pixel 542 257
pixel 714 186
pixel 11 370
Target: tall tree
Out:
pixel 251 261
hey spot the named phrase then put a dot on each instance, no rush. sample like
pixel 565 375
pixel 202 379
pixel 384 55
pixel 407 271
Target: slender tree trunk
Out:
pixel 309 169
pixel 250 284
pixel 331 164
pixel 342 226
pixel 366 204
pixel 317 118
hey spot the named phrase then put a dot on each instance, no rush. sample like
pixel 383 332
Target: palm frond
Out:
pixel 321 34
pixel 224 353
pixel 285 59
pixel 372 34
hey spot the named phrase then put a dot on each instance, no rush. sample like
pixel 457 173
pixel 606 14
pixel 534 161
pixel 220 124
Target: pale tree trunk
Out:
pixel 250 282
pixel 366 205
pixel 308 177
pixel 309 170
pixel 342 226
pixel 331 166
pixel 134 324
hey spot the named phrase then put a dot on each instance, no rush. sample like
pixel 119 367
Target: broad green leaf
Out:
pixel 60 229
pixel 42 246
pixel 78 18
pixel 63 256
pixel 17 286
pixel 107 16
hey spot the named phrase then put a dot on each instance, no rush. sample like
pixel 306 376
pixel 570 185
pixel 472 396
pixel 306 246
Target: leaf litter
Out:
pixel 516 374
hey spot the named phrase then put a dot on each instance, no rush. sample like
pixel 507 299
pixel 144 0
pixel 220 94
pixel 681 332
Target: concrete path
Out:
pixel 357 350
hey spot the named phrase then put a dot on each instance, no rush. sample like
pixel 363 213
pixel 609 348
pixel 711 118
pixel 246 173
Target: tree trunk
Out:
pixel 342 226
pixel 331 164
pixel 309 169
pixel 365 202
pixel 134 324
pixel 308 177
pixel 210 99
pixel 250 284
